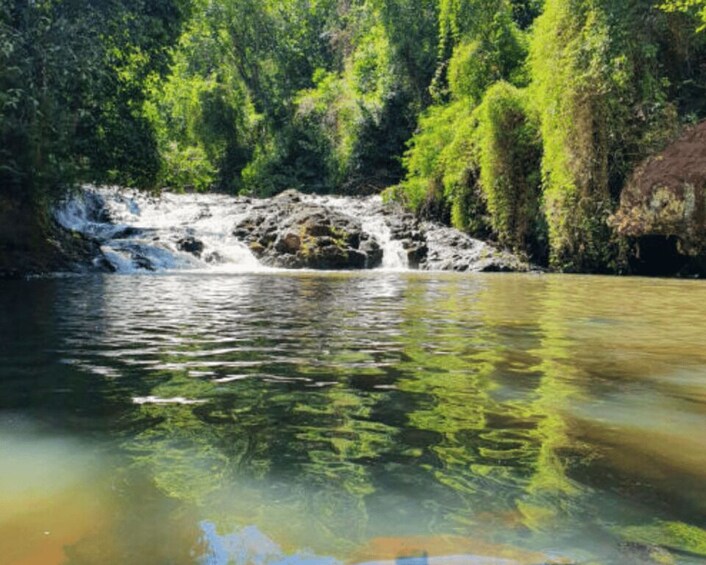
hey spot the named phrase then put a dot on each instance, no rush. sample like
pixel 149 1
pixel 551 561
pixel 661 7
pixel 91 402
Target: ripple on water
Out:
pixel 356 417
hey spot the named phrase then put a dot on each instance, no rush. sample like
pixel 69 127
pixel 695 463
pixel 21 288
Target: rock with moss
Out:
pixel 290 233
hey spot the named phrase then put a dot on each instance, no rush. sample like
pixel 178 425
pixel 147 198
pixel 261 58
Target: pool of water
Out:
pixel 336 419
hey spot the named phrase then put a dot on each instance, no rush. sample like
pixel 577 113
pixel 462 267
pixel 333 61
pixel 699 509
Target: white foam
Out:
pixel 139 232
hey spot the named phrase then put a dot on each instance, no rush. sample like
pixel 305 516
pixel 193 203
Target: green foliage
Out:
pixel 360 112
pixel 428 157
pixel 316 96
pixel 442 162
pixel 72 81
pixel 410 26
pixel 202 116
pixel 594 72
pixel 697 7
pixel 509 157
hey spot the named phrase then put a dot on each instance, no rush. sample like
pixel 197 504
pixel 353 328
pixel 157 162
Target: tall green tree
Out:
pixel 72 79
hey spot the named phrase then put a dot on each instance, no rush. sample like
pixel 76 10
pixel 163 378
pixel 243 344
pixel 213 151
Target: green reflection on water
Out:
pixel 339 413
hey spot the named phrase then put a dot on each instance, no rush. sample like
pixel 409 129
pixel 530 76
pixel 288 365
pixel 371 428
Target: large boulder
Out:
pixel 663 207
pixel 288 232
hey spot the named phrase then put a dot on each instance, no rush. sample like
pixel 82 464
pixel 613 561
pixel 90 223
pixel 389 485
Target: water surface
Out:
pixel 328 419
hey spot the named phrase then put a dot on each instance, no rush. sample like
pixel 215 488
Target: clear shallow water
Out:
pixel 304 419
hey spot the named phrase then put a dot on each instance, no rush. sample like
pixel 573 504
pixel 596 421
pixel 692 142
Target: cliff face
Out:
pixel 31 243
pixel 663 208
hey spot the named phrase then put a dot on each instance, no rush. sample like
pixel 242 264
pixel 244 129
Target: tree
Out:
pixel 697 7
pixel 72 79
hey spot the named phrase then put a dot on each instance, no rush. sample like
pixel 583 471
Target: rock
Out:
pixel 290 233
pixel 290 196
pixel 126 233
pixel 142 262
pixel 663 207
pixel 373 252
pixel 451 250
pixel 30 245
pixel 257 248
pixel 191 245
pixel 417 252
pixel 288 243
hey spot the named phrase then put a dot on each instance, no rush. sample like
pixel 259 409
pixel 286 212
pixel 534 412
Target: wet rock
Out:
pixel 289 243
pixel 451 250
pixel 191 245
pixel 290 233
pixel 214 258
pixel 142 262
pixel 287 198
pixel 102 264
pixel 372 250
pixel 127 233
pixel 417 252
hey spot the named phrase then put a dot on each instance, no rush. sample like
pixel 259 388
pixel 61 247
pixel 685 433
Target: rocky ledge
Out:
pixel 294 231
pixel 289 233
pixel 114 229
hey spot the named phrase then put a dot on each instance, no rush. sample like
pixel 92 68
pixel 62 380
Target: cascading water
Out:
pixel 369 212
pixel 138 232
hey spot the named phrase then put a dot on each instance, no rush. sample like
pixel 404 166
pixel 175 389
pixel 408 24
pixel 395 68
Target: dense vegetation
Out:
pixel 518 120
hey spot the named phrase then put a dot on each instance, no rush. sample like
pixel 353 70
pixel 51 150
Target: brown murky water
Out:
pixel 301 419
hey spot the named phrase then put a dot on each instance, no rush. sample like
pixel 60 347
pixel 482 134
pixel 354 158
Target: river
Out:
pixel 273 418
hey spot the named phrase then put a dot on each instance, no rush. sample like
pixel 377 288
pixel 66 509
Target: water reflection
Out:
pixel 364 418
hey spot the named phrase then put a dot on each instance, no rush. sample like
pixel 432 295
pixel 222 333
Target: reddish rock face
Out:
pixel 666 195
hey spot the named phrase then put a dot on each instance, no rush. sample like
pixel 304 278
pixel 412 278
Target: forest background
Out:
pixel 518 121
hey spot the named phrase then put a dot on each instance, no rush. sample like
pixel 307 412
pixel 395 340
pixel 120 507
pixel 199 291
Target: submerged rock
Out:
pixel 645 554
pixel 663 208
pixel 191 245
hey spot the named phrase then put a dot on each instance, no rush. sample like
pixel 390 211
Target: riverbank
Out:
pixel 33 243
pixel 123 230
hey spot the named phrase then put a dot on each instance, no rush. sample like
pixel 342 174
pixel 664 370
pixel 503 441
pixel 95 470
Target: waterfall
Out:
pixel 369 211
pixel 140 232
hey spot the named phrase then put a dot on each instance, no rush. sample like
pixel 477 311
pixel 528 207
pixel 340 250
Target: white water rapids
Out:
pixel 138 232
